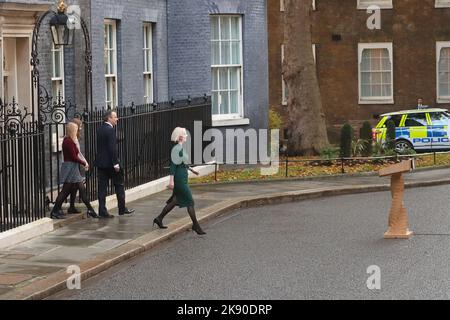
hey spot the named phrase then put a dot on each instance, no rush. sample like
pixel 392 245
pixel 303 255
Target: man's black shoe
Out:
pixel 58 215
pixel 127 211
pixel 73 210
pixel 106 216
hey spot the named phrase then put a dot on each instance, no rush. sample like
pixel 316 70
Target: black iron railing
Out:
pixel 144 133
pixel 22 192
pixel 31 153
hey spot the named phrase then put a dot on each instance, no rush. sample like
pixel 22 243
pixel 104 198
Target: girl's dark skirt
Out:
pixel 70 173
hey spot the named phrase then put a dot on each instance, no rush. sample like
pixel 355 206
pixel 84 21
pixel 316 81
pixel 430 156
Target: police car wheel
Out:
pixel 402 145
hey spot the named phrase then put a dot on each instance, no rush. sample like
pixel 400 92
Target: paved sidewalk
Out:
pixel 35 264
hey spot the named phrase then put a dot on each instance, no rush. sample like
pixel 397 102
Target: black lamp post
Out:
pixel 63 28
pixel 62 33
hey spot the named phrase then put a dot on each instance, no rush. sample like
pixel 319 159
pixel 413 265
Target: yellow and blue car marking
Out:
pixel 431 136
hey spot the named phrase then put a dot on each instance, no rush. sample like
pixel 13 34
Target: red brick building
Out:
pixel 364 71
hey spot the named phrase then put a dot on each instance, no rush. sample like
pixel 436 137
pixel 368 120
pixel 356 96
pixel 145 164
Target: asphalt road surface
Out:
pixel 315 249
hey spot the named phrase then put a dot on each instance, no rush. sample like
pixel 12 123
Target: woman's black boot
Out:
pixel 195 225
pixel 57 214
pixel 159 223
pixel 92 214
pixel 169 207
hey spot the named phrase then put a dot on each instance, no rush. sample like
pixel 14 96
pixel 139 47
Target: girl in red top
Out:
pixel 70 175
pixel 73 195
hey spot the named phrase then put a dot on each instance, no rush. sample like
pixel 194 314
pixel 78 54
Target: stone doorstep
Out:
pixel 26 232
pixel 20 256
pixel 150 188
pixel 56 282
pixel 131 195
pixel 29 231
pixel 13 279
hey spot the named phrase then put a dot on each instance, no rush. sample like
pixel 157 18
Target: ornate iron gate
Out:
pixel 21 168
pixel 54 115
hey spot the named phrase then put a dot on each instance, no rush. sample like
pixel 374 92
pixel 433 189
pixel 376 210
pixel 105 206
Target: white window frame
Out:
pixel 383 4
pixel 439 46
pixel 18 32
pixel 240 113
pixel 112 47
pixel 376 100
pixel 58 81
pixel 442 4
pixel 148 65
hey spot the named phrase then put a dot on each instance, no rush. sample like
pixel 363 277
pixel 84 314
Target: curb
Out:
pixel 55 283
pixel 311 178
pixel 57 224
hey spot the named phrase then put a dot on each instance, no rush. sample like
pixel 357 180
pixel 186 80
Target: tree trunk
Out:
pixel 307 125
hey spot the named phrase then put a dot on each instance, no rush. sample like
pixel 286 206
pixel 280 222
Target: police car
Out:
pixel 421 130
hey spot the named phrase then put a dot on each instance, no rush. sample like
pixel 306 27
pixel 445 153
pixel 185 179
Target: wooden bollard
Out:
pixel 398 217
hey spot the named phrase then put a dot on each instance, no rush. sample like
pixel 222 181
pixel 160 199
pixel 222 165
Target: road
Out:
pixel 315 249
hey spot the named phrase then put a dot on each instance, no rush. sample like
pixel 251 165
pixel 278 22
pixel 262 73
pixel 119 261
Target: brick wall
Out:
pixel 413 26
pixel 130 15
pixel 190 51
pixel 276 35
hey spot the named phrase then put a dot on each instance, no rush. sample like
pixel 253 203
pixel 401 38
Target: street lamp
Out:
pixel 62 34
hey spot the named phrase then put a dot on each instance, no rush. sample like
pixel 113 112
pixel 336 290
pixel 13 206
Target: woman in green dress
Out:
pixel 181 196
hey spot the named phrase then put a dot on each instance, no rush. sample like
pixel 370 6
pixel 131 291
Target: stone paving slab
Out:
pixel 4 290
pixel 18 256
pixel 98 244
pixel 12 279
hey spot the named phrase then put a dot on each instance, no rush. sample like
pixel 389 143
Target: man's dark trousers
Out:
pixel 107 158
pixel 104 177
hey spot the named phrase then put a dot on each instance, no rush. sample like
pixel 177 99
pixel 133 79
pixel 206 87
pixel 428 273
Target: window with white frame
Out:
pixel 383 4
pixel 443 71
pixel 442 4
pixel 375 66
pixel 58 72
pixel 226 67
pixel 148 63
pixel 110 63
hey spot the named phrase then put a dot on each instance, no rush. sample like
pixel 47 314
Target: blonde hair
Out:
pixel 72 130
pixel 79 123
pixel 177 133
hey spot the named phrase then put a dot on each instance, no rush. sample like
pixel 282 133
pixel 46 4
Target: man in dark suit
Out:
pixel 107 162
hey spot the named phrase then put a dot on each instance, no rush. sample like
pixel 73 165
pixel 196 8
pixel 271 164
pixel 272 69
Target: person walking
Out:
pixel 70 175
pixel 73 195
pixel 181 196
pixel 108 164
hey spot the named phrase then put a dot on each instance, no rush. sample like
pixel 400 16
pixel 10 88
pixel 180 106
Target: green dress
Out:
pixel 180 173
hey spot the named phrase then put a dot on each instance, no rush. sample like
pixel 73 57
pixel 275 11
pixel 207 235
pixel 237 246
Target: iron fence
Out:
pixel 22 193
pixel 285 164
pixel 31 150
pixel 144 133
